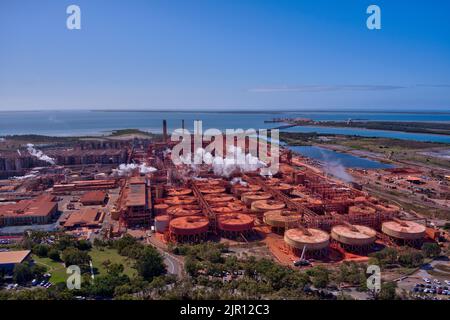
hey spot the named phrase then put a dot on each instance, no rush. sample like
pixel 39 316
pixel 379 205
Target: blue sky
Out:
pixel 225 54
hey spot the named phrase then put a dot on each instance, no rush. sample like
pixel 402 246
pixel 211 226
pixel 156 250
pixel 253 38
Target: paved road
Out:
pixel 173 263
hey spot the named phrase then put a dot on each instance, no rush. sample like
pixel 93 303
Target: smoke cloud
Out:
pixel 238 180
pixel 39 154
pixel 235 160
pixel 335 168
pixel 127 169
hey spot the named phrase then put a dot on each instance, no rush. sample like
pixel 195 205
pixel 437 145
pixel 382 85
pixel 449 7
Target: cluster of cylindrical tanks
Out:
pixel 231 218
pixel 231 207
pixel 181 216
pixel 351 237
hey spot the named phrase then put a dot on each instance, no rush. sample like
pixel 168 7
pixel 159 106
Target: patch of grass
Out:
pixel 100 255
pixel 56 269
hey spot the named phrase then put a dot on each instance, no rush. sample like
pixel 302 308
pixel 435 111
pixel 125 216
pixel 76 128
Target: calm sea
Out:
pixel 338 158
pixel 70 123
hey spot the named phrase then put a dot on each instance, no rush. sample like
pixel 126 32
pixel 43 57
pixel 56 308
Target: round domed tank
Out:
pixel 313 239
pixel 235 222
pixel 388 209
pixel 354 235
pixel 299 200
pixel 239 189
pixel 360 199
pixel 315 201
pixel 183 211
pixel 403 229
pixel 174 192
pixel 212 190
pixel 162 223
pixel 209 183
pixel 234 206
pixel 267 205
pixel 283 187
pixel 361 210
pixel 217 200
pixel 181 200
pixel 161 208
pixel 250 197
pixel 272 181
pixel 281 218
pixel 191 225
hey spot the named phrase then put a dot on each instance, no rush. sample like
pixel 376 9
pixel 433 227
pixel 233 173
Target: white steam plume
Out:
pixel 238 180
pixel 127 169
pixel 39 154
pixel 335 168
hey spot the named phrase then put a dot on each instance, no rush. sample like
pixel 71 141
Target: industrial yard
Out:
pixel 299 218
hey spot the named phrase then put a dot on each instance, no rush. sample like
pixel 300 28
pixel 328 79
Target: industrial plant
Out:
pixel 110 188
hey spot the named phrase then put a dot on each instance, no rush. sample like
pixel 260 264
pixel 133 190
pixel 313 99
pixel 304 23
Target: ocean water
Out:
pixel 338 158
pixel 70 123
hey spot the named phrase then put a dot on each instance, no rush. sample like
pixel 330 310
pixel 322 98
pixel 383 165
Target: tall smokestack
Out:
pixel 164 131
pixel 182 124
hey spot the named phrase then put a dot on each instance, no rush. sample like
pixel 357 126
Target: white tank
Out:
pixel 162 223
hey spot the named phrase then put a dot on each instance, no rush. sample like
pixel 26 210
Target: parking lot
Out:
pixel 431 281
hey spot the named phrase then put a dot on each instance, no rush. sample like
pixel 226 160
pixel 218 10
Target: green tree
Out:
pixel 66 241
pixel 41 250
pixel 387 291
pixel 25 272
pixel 54 254
pixel 431 249
pixel 191 266
pixel 150 264
pixel 410 258
pixel 22 273
pixel 74 256
pixel 386 256
pixel 35 294
pixel 106 285
pixel 320 276
pixel 84 245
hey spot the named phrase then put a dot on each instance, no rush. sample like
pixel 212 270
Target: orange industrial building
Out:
pixel 84 218
pixel 92 198
pixel 9 259
pixel 84 185
pixel 40 210
pixel 134 204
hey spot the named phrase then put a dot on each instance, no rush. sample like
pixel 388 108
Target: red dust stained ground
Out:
pixel 160 237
